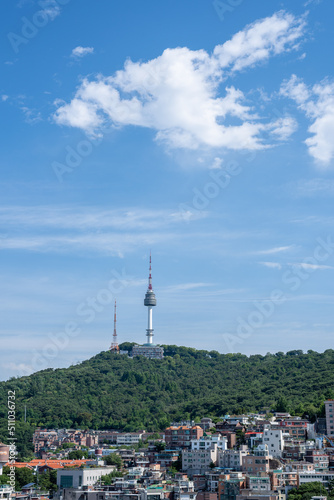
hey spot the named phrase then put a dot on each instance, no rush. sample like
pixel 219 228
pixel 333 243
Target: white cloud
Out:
pixel 178 94
pixel 31 116
pixel 283 128
pixel 312 267
pixel 86 218
pixel 272 265
pixel 313 187
pixel 186 286
pixel 318 104
pixel 4 97
pixel 260 40
pixel 82 51
pixel 275 250
pixel 110 232
pixel 216 164
pixel 50 8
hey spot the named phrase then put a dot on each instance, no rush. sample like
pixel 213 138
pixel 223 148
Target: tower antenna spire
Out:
pixel 114 346
pixel 150 274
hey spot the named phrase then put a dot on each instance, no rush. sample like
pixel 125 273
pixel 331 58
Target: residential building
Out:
pixel 273 438
pixel 75 478
pixel 206 442
pixel 257 463
pixel 308 477
pixel 129 438
pixel 198 461
pixel 329 408
pixel 294 451
pixel 261 495
pixel 259 483
pixel 295 427
pixel 5 492
pixel 164 458
pixel 318 458
pixel 231 437
pixel 206 423
pixel 280 478
pixel 212 481
pixel 230 485
pixel 181 436
pixel 232 459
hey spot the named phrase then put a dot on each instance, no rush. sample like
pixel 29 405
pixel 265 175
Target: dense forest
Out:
pixel 115 391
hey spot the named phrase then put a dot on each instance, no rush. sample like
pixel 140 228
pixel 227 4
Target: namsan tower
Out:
pixel 149 350
pixel 150 301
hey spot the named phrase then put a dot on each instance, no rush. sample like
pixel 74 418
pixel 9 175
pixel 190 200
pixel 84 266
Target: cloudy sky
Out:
pixel 202 131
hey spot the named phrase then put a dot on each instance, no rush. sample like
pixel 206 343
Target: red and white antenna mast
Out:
pixel 114 346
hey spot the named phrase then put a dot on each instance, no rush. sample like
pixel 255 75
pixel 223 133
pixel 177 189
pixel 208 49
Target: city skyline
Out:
pixel 202 132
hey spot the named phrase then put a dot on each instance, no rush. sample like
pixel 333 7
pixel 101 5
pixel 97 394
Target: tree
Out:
pixel 160 445
pixel 307 491
pixel 109 478
pixel 22 477
pixel 114 459
pixel 77 454
pixel 47 481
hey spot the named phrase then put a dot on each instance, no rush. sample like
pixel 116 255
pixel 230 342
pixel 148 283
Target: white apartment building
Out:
pixel 207 442
pixel 198 461
pixel 274 440
pixel 128 438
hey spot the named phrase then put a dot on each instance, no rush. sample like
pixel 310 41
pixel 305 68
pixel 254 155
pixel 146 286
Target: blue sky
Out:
pixel 202 131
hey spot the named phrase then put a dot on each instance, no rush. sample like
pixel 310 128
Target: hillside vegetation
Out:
pixel 114 391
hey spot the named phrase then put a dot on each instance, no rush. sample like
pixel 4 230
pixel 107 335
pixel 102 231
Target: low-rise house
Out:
pixel 323 477
pixel 259 483
pixel 318 458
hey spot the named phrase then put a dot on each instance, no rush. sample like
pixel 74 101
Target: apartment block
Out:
pixel 181 436
pixel 329 408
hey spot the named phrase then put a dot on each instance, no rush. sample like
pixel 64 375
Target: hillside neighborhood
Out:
pixel 258 456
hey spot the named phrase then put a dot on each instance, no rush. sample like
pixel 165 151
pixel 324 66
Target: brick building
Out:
pixel 181 436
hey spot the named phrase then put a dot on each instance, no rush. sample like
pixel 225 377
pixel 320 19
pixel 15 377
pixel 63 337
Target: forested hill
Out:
pixel 114 391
